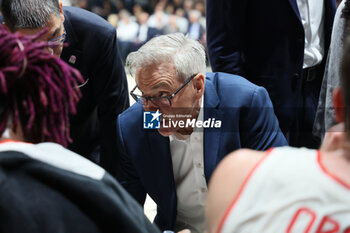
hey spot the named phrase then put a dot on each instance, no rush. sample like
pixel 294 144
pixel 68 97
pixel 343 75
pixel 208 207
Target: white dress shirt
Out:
pixel 194 32
pixel 142 34
pixel 191 186
pixel 312 17
pixel 127 31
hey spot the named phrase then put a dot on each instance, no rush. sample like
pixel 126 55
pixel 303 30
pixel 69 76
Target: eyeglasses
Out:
pixel 60 39
pixel 164 101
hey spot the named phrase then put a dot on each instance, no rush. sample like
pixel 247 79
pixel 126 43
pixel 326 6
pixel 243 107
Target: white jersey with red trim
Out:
pixel 290 191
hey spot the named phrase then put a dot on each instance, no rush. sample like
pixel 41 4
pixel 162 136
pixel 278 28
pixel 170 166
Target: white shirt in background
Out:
pixel 142 33
pixel 127 31
pixel 312 17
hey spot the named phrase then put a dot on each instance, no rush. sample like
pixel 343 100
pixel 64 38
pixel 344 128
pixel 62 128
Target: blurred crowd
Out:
pixel 138 21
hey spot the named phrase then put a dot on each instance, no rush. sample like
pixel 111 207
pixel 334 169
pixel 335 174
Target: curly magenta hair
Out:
pixel 37 89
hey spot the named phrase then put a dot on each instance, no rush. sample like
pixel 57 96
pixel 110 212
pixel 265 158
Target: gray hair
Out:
pixel 187 55
pixel 30 14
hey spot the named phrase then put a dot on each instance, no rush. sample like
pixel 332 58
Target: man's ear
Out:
pixel 61 11
pixel 338 105
pixel 199 84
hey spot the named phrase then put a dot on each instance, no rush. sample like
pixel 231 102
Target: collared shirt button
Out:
pixel 203 190
pixel 199 165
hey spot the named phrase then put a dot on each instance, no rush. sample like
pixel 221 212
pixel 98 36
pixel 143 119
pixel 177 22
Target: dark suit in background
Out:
pixel 151 32
pixel 264 42
pixel 248 121
pixel 92 49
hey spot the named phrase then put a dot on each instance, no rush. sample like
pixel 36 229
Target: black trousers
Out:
pixel 301 133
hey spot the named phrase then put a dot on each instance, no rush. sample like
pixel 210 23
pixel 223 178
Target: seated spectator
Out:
pixel 137 10
pixel 200 6
pixel 144 4
pixel 45 187
pixel 178 4
pixel 107 8
pixel 176 24
pixel 195 30
pixel 127 32
pixel 113 19
pixel 172 26
pixel 182 22
pixel 288 189
pixel 174 163
pixel 188 6
pixel 159 19
pixel 170 9
pixel 145 32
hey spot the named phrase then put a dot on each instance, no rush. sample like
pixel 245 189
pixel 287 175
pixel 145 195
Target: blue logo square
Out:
pixel 151 120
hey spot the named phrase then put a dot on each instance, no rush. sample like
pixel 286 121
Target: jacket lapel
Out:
pixel 71 53
pixel 211 135
pixel 294 5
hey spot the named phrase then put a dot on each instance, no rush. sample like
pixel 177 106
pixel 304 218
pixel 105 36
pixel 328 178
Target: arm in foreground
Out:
pixel 226 183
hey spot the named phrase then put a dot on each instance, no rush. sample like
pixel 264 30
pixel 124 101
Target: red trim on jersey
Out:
pixel 328 221
pixel 231 206
pixel 9 140
pixel 334 177
pixel 296 216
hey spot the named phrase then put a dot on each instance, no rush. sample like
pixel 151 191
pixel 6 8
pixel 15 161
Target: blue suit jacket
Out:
pixel 248 121
pixel 92 49
pixel 264 42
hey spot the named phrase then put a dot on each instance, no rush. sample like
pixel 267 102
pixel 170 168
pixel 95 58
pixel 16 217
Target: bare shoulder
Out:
pixel 243 156
pixel 235 167
pixel 226 182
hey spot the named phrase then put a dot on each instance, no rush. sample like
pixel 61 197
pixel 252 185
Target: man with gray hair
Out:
pixel 184 122
pixel 92 49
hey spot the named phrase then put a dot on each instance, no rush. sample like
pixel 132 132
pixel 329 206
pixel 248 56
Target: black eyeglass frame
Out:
pixel 139 98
